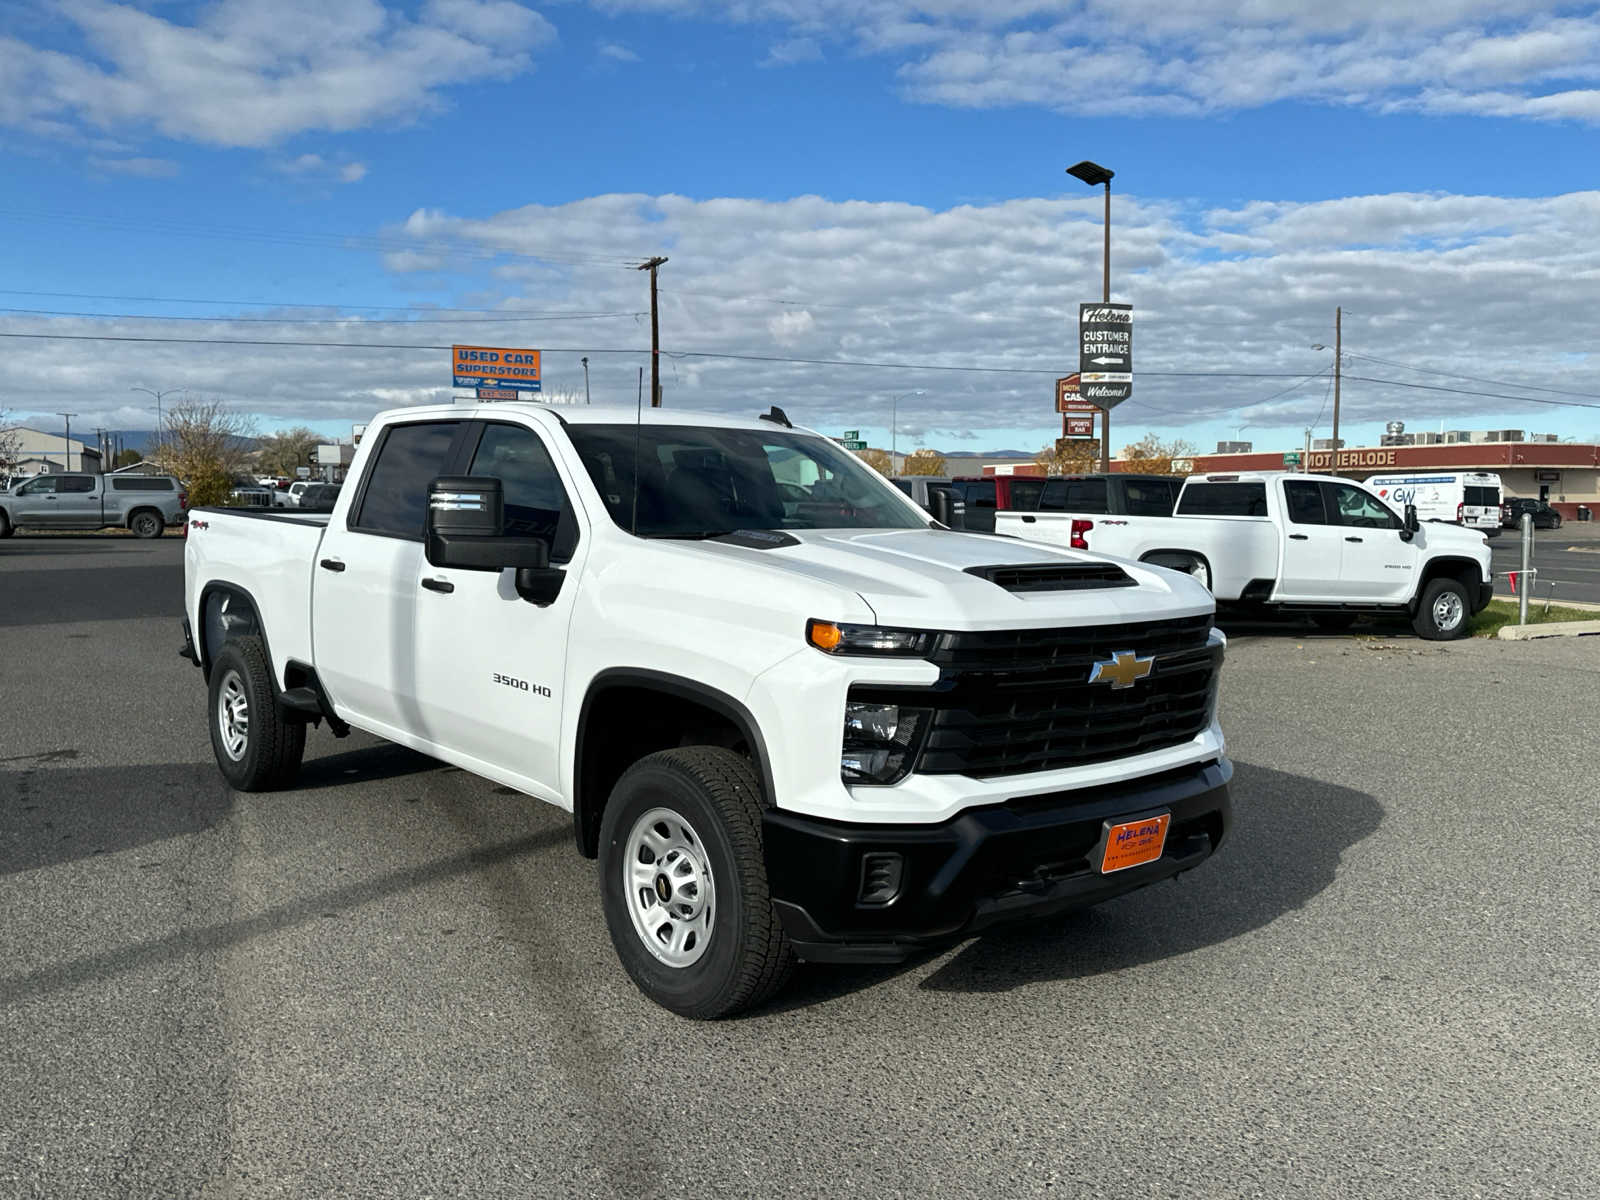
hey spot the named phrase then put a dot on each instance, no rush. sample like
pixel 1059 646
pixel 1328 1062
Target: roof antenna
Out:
pixel 638 434
pixel 777 417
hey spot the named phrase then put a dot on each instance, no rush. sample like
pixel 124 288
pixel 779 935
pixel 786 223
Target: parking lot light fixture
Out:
pixel 1093 174
pixel 894 421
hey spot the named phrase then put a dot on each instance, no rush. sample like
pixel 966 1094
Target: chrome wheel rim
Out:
pixel 145 526
pixel 233 716
pixel 1448 611
pixel 666 878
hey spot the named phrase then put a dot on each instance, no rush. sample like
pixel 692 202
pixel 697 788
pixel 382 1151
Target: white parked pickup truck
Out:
pixel 1314 543
pixel 792 715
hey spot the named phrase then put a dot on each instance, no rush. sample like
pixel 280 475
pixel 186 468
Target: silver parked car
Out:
pixel 145 504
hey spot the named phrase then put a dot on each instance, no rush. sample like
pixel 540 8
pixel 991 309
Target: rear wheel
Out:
pixel 146 524
pixel 684 883
pixel 1442 614
pixel 5 526
pixel 257 750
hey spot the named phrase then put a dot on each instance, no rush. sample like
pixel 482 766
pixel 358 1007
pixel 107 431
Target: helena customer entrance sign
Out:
pixel 1105 353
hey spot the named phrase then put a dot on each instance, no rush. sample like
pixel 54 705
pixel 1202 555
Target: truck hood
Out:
pixel 918 578
pixel 1455 539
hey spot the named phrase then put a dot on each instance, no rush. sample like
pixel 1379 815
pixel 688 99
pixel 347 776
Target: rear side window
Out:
pixel 396 498
pixel 1224 500
pixel 75 483
pixel 978 495
pixel 1026 494
pixel 1082 495
pixel 1481 497
pixel 141 483
pixel 1303 499
pixel 1151 497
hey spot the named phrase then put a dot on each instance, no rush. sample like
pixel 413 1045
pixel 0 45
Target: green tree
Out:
pixel 126 458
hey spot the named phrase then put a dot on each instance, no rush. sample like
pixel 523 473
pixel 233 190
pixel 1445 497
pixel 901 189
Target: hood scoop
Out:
pixel 1055 577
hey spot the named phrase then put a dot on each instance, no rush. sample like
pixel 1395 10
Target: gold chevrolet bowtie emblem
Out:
pixel 1122 669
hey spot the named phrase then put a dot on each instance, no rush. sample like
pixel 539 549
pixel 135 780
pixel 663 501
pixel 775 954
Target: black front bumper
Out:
pixel 1024 858
pixel 1485 594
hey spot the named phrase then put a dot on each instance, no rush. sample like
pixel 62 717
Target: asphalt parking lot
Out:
pixel 395 980
pixel 1567 559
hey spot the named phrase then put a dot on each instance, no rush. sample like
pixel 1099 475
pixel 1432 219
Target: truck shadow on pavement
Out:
pixel 1288 836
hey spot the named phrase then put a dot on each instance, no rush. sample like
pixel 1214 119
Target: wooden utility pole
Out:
pixel 1338 358
pixel 655 333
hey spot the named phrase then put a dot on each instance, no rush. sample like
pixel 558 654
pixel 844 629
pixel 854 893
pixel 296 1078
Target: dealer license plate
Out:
pixel 1134 843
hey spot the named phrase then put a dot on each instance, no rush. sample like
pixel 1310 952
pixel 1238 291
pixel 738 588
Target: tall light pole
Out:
pixel 67 455
pixel 894 423
pixel 585 361
pixel 158 395
pixel 1094 174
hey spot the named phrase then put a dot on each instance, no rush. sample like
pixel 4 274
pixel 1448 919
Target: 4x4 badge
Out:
pixel 1122 669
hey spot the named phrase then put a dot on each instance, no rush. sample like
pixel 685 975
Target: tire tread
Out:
pixel 283 743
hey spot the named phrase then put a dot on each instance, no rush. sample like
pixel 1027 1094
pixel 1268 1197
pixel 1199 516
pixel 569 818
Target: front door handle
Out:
pixel 332 564
pixel 1299 537
pixel 1029 520
pixel 1352 539
pixel 439 585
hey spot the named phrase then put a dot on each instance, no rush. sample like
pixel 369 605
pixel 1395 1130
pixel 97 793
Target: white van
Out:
pixel 1467 498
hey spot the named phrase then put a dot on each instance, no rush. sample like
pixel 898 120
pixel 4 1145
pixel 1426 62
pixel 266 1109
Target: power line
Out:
pixel 260 303
pixel 1527 387
pixel 1430 387
pixel 502 320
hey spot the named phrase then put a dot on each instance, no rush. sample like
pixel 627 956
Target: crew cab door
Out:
pixel 1313 546
pixel 78 502
pixel 36 503
pixel 491 666
pixel 364 589
pixel 1377 567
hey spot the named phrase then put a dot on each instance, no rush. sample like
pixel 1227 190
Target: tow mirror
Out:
pixel 466 528
pixel 1411 523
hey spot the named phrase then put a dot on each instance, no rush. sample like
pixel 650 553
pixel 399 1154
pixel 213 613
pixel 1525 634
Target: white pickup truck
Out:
pixel 1317 544
pixel 792 715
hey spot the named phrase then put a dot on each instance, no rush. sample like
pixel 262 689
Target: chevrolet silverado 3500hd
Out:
pixel 792 716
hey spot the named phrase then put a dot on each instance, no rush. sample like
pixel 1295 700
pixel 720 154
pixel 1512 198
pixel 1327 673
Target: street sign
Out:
pixel 494 367
pixel 852 444
pixel 1080 427
pixel 1291 458
pixel 497 393
pixel 1067 394
pixel 1105 353
pixel 851 435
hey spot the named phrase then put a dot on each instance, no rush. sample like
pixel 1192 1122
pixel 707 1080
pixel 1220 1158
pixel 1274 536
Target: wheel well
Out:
pixel 1150 556
pixel 226 612
pixel 1463 570
pixel 628 717
pixel 127 522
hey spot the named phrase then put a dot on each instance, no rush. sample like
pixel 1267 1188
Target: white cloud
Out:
pixel 616 52
pixel 144 168
pixel 253 74
pixel 315 166
pixel 352 172
pixel 1517 58
pixel 1499 288
pixel 793 50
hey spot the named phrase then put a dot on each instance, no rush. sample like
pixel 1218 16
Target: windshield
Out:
pixel 701 482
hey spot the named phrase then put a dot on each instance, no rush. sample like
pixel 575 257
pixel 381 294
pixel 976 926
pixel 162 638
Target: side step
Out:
pixel 308 702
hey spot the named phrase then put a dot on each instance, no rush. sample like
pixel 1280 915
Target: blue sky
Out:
pixel 864 180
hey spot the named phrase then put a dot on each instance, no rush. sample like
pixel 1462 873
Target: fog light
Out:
pixel 881 876
pixel 879 741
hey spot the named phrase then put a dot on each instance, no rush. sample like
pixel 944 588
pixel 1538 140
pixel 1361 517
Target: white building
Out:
pixel 39 453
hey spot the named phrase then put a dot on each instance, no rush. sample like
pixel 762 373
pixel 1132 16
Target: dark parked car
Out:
pixel 319 498
pixel 1544 517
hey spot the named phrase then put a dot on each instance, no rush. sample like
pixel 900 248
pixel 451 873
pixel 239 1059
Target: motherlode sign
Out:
pixel 494 367
pixel 1105 353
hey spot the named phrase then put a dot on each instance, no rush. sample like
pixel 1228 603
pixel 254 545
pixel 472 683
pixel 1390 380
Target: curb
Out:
pixel 1525 633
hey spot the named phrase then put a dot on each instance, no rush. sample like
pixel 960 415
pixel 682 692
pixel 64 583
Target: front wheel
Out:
pixel 1442 614
pixel 256 749
pixel 146 524
pixel 684 883
pixel 6 529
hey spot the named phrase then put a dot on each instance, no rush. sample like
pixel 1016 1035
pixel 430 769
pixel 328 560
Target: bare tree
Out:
pixel 203 442
pixel 280 453
pixel 10 445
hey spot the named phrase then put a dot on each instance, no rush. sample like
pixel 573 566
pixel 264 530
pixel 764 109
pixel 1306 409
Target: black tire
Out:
pixel 6 529
pixel 146 523
pixel 1556 523
pixel 746 956
pixel 272 747
pixel 1433 620
pixel 1333 622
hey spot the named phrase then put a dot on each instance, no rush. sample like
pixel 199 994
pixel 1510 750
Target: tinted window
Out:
pixel 75 483
pixel 141 483
pixel 536 503
pixel 977 493
pixel 1351 506
pixel 1084 495
pixel 1481 497
pixel 45 485
pixel 904 485
pixel 1026 494
pixel 696 481
pixel 1224 500
pixel 1303 498
pixel 1151 497
pixel 411 457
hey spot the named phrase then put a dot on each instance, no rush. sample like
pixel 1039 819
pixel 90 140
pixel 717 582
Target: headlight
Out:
pixel 833 638
pixel 880 741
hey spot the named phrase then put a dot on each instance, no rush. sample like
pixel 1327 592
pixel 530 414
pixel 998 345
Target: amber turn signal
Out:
pixel 824 635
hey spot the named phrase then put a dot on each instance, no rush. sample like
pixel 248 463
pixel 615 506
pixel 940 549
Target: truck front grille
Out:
pixel 1021 700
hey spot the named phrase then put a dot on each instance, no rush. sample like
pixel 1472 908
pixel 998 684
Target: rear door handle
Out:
pixel 439 585
pixel 1299 537
pixel 1352 539
pixel 1029 520
pixel 332 564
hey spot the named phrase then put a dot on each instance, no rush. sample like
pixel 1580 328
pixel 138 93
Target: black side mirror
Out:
pixel 1411 524
pixel 946 509
pixel 466 528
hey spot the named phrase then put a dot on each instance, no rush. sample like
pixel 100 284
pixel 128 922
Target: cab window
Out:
pixel 1351 506
pixel 1303 500
pixel 45 485
pixel 536 503
pixel 79 484
pixel 395 502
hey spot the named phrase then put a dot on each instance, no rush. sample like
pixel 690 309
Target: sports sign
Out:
pixel 1105 353
pixel 494 367
pixel 1080 427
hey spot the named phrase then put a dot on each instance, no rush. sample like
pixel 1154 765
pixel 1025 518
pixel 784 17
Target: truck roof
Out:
pixel 598 414
pixel 1264 477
